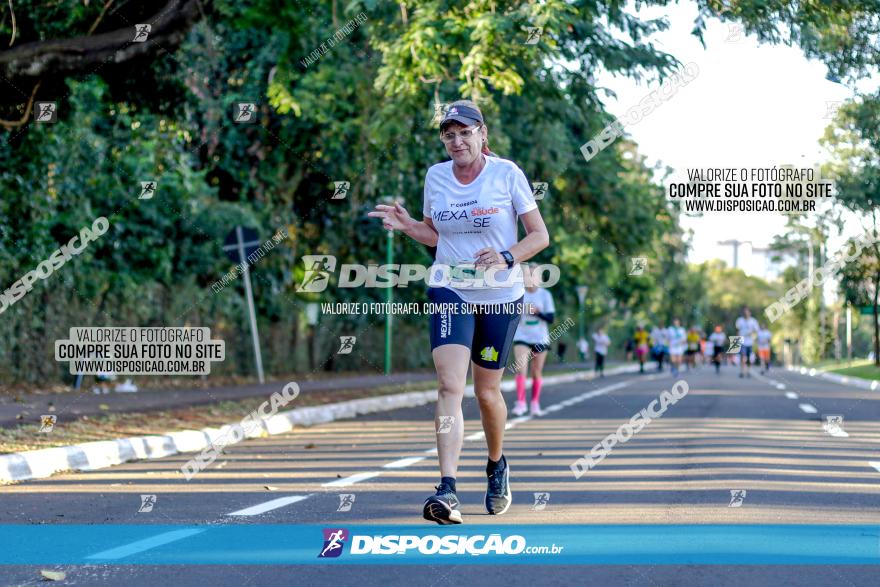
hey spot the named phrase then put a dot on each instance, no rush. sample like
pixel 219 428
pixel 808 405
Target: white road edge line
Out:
pixel 358 477
pixel 270 505
pixel 352 479
pixel 403 463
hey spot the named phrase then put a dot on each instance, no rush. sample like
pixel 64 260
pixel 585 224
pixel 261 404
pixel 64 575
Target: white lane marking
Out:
pixel 270 505
pixel 145 544
pixel 773 382
pixel 352 479
pixel 358 477
pixel 875 464
pixel 791 395
pixel 808 408
pixel 403 463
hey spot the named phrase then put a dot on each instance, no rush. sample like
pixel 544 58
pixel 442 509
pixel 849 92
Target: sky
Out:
pixel 750 105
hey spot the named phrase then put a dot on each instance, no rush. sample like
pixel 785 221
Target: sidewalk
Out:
pixel 85 403
pixel 871 384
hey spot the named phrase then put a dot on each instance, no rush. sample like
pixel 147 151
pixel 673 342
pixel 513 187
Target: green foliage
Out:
pixel 360 113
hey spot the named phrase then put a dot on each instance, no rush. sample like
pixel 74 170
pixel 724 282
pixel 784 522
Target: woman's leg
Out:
pixel 493 408
pixel 521 356
pixel 451 362
pixel 537 378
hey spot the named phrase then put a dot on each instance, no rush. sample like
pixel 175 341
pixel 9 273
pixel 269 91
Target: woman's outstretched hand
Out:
pixel 393 217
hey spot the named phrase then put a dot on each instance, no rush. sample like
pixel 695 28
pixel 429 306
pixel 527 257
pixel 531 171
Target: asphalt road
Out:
pixel 763 436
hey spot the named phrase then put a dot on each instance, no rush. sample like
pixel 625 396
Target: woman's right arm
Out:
pixel 423 231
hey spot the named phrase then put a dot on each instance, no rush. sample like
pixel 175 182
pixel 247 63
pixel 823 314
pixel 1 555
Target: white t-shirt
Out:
pixel 601 341
pixel 764 336
pixel 532 329
pixel 583 345
pixel 481 214
pixel 658 335
pixel 718 340
pixel 677 340
pixel 746 327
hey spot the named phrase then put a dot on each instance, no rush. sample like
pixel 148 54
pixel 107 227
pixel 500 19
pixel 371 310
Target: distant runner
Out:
pixel 747 328
pixel 531 341
pixel 601 342
pixel 693 347
pixel 764 338
pixel 718 341
pixel 659 342
pixel 677 345
pixel 640 339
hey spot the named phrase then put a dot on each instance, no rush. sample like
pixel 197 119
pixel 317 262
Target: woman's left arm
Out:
pixel 536 240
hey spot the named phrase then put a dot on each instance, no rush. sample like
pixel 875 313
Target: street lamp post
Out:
pixel 582 296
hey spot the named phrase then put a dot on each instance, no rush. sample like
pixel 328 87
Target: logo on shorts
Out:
pixel 334 540
pixel 489 354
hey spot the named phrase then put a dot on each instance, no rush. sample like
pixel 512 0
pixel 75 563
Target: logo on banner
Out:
pixel 334 540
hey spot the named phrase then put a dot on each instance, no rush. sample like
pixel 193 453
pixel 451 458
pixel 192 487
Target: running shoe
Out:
pixel 536 409
pixel 519 408
pixel 442 507
pixel 498 496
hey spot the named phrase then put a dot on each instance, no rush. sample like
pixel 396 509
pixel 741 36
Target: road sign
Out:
pixel 239 244
pixel 866 310
pixel 250 243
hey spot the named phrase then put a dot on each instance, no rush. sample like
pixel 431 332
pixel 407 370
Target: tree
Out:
pixel 853 140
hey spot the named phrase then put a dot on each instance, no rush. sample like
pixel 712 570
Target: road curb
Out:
pixel 871 384
pixel 89 456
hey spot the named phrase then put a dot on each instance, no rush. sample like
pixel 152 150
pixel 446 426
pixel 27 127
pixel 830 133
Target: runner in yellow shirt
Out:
pixel 640 338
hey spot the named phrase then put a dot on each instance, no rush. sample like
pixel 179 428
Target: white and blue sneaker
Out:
pixel 442 507
pixel 498 496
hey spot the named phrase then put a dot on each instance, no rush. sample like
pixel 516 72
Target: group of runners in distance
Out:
pixel 472 206
pixel 693 347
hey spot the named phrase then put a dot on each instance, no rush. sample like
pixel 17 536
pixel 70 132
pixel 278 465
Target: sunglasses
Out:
pixel 468 133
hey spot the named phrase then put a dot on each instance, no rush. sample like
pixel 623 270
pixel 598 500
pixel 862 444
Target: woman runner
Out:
pixel 532 339
pixel 471 207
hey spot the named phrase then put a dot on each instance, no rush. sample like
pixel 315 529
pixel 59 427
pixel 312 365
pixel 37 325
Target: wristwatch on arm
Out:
pixel 508 258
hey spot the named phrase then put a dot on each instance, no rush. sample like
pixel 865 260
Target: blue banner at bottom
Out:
pixel 277 544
